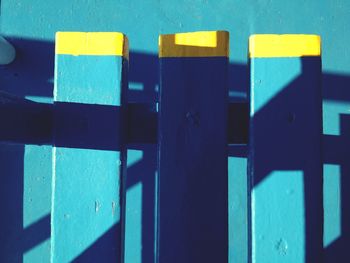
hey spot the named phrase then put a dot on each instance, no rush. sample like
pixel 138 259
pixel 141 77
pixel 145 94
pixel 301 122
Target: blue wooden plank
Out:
pixel 88 155
pixel 193 183
pixel 285 162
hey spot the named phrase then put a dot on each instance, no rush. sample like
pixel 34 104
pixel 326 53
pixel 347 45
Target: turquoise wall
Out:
pixel 26 170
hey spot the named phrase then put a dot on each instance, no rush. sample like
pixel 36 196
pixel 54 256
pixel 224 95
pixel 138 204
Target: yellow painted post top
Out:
pixel 195 44
pixel 92 43
pixel 267 45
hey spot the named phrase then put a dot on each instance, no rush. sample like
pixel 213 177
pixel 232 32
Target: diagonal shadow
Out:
pixel 282 143
pixel 100 250
pixel 337 152
pixel 28 123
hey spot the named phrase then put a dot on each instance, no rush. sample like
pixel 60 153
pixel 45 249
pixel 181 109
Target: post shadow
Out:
pixel 31 75
pixel 288 138
pixel 337 152
pixel 27 122
pixel 11 191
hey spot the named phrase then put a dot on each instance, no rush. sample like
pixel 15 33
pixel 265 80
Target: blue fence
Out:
pixel 184 217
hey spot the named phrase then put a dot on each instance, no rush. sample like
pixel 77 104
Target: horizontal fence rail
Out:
pixel 29 122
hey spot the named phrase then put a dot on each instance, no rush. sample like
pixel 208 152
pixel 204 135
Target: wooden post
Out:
pixel 285 163
pixel 192 141
pixel 88 153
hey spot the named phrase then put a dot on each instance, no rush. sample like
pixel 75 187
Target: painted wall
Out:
pixel 25 182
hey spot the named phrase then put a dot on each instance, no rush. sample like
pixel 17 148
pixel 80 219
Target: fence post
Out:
pixel 285 164
pixel 88 153
pixel 192 141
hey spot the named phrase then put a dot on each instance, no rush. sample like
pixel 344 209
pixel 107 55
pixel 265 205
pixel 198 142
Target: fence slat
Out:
pixel 88 153
pixel 193 210
pixel 285 161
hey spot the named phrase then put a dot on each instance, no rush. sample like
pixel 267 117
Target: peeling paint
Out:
pixel 97 206
pixel 281 247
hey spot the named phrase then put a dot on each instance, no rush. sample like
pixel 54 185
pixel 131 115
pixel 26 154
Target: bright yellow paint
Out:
pixel 199 39
pixel 99 43
pixel 195 44
pixel 261 46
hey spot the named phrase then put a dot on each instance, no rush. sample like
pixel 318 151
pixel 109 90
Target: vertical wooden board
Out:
pixel 193 183
pixel 88 154
pixel 285 163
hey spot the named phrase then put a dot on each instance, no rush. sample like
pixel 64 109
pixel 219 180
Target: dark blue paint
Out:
pixel 192 141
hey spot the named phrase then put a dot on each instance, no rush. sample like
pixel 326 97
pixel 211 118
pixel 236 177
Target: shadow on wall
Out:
pixel 336 149
pixel 285 136
pixel 27 122
pixel 31 76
